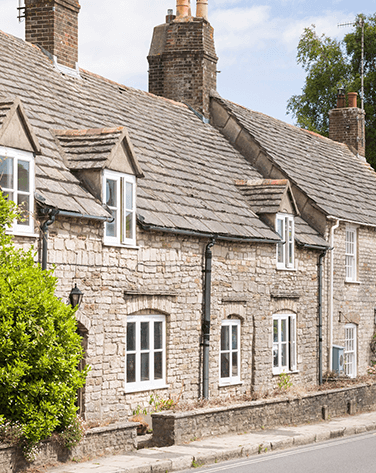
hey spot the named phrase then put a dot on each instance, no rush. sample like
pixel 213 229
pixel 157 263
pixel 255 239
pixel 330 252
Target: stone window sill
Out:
pixel 140 389
pixel 348 281
pixel 235 383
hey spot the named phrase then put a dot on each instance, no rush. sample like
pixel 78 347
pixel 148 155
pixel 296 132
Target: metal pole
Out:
pixel 206 322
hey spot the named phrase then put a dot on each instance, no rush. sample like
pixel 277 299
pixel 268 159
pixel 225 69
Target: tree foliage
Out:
pixel 330 64
pixel 39 347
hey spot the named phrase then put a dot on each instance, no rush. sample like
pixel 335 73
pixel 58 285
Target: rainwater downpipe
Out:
pixel 321 257
pixel 331 294
pixel 44 228
pixel 206 322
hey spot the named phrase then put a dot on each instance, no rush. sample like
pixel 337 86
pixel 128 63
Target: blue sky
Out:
pixel 256 42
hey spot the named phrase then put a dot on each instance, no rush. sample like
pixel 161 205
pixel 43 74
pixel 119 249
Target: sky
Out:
pixel 256 42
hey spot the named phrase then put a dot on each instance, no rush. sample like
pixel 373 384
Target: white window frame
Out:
pixel 351 248
pixel 350 350
pixel 146 385
pixel 289 345
pixel 20 155
pixel 121 209
pixel 287 246
pixel 232 379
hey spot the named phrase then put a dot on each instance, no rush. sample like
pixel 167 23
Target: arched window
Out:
pixel 284 343
pixel 145 352
pixel 229 354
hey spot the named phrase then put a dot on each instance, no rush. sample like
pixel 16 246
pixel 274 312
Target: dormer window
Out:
pixel 285 249
pixel 120 197
pixel 17 184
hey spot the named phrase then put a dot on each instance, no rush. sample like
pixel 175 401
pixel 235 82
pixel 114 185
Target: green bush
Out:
pixel 39 347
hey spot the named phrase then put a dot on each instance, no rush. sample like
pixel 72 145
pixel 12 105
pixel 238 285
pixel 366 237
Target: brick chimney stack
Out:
pixel 347 124
pixel 53 24
pixel 182 58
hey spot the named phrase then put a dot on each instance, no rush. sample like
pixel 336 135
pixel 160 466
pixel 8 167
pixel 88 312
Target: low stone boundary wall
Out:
pixel 114 438
pixel 171 428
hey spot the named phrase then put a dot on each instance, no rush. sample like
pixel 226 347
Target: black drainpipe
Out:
pixel 206 322
pixel 44 228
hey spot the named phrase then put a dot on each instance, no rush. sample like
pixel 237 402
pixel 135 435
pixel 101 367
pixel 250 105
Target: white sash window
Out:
pixel 350 350
pixel 350 253
pixel 229 357
pixel 285 249
pixel 284 343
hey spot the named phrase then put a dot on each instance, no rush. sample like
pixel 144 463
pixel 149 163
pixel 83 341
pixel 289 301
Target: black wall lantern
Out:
pixel 75 297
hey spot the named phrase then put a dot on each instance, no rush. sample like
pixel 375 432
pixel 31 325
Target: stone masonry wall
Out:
pixel 164 275
pixel 354 302
pixel 181 427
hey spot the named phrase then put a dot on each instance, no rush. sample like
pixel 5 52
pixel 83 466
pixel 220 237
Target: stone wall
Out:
pixel 354 302
pixel 164 275
pixel 171 428
pixel 109 440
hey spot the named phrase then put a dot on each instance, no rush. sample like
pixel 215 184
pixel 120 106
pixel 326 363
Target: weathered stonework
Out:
pixel 164 275
pixel 182 62
pixel 181 427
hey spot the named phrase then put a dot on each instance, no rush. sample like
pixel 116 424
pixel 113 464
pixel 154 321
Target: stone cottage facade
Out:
pixel 212 256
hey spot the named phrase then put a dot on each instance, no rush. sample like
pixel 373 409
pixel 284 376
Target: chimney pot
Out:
pixel 202 9
pixel 353 99
pixel 170 15
pixel 341 98
pixel 183 8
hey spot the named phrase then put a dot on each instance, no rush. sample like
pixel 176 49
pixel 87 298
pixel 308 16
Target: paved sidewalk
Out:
pixel 216 449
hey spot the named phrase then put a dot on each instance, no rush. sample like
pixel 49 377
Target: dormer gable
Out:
pixel 98 148
pixel 15 129
pixel 267 197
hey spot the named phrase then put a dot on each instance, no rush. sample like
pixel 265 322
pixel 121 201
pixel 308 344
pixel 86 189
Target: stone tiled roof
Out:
pixel 189 166
pixel 265 195
pixel 338 182
pixel 88 149
pixel 5 107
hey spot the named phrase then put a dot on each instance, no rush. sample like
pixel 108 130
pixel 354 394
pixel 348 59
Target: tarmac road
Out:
pixel 355 454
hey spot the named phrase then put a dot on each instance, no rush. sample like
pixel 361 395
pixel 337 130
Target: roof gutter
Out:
pixel 215 236
pixel 354 222
pixel 314 247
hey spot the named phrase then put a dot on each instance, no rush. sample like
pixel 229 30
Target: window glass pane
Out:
pixel 111 228
pixel 8 195
pixel 23 203
pixel 145 367
pixel 6 173
pixel 275 331
pixel 275 356
pixel 283 330
pixel 129 225
pixel 280 227
pixel 144 335
pixel 23 175
pixel 280 252
pixel 235 363
pixel 111 197
pixel 225 338
pixel 131 336
pixel 234 337
pixel 284 354
pixel 157 335
pixel 158 372
pixel 131 368
pixel 129 196
pixel 225 365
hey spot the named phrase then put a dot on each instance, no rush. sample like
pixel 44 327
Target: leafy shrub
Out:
pixel 39 347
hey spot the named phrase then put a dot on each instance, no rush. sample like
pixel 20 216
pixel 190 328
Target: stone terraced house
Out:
pixel 215 247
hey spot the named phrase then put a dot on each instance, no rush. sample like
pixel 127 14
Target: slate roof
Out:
pixel 189 166
pixel 88 149
pixel 341 184
pixel 265 195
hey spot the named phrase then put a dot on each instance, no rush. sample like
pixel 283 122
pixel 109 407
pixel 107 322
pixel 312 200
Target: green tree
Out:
pixel 39 347
pixel 330 64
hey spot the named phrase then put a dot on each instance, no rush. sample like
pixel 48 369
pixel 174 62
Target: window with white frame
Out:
pixel 284 343
pixel 350 350
pixel 229 357
pixel 17 184
pixel 146 352
pixel 350 253
pixel 285 249
pixel 120 197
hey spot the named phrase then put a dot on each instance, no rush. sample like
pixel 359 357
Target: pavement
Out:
pixel 225 447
